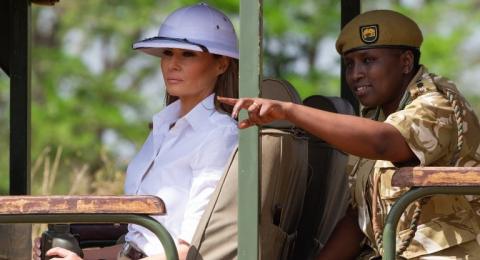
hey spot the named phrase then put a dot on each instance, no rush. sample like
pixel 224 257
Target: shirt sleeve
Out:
pixel 428 126
pixel 208 165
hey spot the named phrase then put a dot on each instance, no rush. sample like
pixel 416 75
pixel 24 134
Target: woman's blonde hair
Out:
pixel 225 86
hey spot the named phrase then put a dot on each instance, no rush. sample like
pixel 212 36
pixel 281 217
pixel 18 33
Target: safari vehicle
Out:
pixel 19 207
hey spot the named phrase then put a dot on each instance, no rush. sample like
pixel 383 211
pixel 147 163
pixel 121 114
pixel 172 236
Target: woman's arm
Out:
pixel 182 250
pixel 355 135
pixel 345 241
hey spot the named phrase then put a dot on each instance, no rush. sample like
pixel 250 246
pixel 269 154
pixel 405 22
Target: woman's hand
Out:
pixel 61 253
pixel 260 111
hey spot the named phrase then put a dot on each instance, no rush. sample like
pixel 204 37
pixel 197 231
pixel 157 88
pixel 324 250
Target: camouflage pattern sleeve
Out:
pixel 428 127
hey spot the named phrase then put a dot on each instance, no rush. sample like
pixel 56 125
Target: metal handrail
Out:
pixel 139 219
pixel 389 237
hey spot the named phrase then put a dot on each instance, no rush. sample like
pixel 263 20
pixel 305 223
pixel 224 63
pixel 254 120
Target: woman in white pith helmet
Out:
pixel 192 138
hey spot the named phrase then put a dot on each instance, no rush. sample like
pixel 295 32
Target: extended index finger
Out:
pixel 244 103
pixel 228 101
pixel 237 103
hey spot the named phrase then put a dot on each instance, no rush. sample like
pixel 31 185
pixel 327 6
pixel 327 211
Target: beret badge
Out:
pixel 369 33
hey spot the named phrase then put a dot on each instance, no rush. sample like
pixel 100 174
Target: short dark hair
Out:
pixel 416 58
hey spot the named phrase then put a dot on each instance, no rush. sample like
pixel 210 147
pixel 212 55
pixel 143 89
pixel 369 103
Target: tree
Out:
pixel 92 96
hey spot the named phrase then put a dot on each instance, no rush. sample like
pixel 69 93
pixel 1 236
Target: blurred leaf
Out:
pixel 92 94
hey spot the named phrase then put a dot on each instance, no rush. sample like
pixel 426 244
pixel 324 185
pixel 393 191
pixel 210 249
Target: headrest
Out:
pixel 279 89
pixel 330 104
pixel 320 102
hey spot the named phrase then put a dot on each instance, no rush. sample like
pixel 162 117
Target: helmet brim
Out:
pixel 154 47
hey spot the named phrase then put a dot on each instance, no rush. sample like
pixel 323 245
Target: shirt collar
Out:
pixel 163 119
pixel 195 118
pixel 412 88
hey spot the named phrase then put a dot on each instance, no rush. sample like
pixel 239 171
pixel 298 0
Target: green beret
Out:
pixel 379 28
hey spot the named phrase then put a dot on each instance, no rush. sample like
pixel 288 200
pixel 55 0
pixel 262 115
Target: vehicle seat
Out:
pixel 283 183
pixel 327 193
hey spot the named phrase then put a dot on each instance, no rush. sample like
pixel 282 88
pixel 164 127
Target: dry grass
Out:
pixel 107 180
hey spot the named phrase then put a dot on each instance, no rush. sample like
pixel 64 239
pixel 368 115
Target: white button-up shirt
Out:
pixel 181 165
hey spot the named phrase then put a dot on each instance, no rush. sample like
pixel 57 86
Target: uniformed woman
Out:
pixel 186 152
pixel 409 117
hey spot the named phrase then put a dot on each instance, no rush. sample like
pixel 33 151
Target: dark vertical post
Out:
pixel 16 239
pixel 350 9
pixel 19 37
pixel 4 40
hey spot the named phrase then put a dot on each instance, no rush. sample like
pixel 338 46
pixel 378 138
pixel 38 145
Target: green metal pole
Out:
pixel 248 179
pixel 389 237
pixel 143 220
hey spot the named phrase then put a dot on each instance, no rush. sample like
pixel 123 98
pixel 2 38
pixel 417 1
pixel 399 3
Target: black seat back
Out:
pixel 327 192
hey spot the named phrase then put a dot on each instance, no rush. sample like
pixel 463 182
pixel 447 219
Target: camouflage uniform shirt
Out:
pixel 426 120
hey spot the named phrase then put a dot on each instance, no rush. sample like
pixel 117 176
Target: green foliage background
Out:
pixel 92 96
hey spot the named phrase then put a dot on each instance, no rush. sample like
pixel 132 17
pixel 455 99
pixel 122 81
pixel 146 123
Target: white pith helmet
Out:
pixel 199 28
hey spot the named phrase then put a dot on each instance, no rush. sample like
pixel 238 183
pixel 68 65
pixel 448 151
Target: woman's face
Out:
pixel 377 76
pixel 191 74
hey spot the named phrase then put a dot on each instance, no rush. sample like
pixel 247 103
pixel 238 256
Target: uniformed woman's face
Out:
pixel 377 76
pixel 191 75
